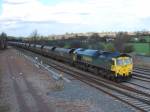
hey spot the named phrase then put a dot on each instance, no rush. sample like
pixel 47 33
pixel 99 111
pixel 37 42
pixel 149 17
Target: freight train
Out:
pixel 111 65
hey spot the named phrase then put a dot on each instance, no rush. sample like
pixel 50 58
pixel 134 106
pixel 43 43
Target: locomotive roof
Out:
pixel 88 52
pixel 114 54
pixel 91 52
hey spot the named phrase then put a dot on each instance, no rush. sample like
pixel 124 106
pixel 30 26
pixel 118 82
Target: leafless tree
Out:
pixel 34 37
pixel 3 40
pixel 121 39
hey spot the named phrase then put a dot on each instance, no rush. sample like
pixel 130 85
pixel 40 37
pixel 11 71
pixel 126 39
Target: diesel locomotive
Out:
pixel 111 65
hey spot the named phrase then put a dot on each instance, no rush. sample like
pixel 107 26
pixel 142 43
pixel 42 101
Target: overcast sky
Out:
pixel 21 17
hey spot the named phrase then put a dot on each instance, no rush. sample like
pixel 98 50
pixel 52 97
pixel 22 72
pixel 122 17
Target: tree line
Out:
pixel 94 41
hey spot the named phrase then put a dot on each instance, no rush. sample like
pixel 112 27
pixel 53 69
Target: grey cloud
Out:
pixel 14 2
pixel 84 13
pixel 12 24
pixel 44 28
pixel 20 20
pixel 38 22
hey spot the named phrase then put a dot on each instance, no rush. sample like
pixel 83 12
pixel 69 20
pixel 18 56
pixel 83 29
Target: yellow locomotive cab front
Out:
pixel 122 66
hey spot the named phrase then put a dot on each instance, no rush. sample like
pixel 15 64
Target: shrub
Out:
pixel 142 40
pixel 110 47
pixel 128 49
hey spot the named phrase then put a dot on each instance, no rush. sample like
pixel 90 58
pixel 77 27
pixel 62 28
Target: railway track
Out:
pixel 131 96
pixel 143 69
pixel 140 78
pixel 138 87
pixel 139 74
pixel 146 74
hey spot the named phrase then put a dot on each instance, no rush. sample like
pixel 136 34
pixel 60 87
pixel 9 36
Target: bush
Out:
pixel 142 40
pixel 75 44
pixel 67 45
pixel 128 49
pixel 110 48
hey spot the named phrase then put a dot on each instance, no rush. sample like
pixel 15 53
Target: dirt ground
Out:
pixel 24 87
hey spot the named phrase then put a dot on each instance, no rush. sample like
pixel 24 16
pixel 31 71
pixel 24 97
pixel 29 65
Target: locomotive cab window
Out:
pixel 128 61
pixel 119 62
pixel 123 61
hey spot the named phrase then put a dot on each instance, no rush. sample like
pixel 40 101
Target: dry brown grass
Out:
pixel 57 85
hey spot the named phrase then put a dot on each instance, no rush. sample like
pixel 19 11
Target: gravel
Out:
pixel 98 101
